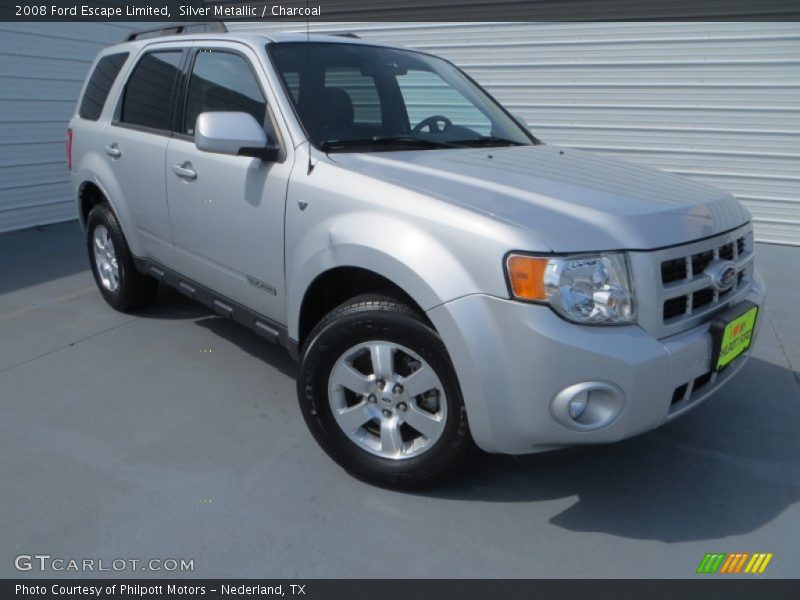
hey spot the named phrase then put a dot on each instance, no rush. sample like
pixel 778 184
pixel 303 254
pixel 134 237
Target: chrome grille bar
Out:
pixel 674 291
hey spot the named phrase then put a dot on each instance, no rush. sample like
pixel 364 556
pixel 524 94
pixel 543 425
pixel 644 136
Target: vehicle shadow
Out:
pixel 170 304
pixel 726 468
pixel 41 254
pixel 273 354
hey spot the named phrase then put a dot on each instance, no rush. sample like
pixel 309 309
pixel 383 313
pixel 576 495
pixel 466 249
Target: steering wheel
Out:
pixel 432 123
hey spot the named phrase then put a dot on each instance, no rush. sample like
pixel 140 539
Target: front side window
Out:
pixel 103 76
pixel 149 93
pixel 222 82
pixel 362 97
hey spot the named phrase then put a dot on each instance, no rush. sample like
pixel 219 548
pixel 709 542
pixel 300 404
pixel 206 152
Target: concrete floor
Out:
pixel 176 434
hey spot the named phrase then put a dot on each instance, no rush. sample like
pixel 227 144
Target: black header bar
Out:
pixel 399 10
pixel 705 587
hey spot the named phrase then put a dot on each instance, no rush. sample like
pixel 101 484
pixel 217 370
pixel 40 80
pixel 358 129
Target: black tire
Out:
pixel 135 289
pixel 365 319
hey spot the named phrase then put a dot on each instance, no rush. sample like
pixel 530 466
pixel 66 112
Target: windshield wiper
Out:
pixel 381 140
pixel 486 140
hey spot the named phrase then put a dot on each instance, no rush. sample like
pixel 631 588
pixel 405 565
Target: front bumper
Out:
pixel 513 358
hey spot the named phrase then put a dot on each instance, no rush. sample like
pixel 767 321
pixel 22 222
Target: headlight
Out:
pixel 592 288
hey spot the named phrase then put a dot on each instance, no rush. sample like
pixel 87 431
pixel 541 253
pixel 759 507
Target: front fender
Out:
pixel 402 252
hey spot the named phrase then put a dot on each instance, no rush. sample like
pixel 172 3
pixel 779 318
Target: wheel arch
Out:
pixel 89 196
pixel 100 182
pixel 336 286
pixel 364 253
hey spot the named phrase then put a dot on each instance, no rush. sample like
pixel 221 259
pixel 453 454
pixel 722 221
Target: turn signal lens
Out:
pixel 526 276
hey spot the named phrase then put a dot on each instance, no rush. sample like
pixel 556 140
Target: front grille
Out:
pixel 679 393
pixel 673 270
pixel 673 290
pixel 701 260
pixel 696 388
pixel 688 392
pixel 690 269
pixel 701 382
pixel 674 307
pixel 702 297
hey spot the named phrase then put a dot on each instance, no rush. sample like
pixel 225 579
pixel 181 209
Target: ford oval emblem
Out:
pixel 723 275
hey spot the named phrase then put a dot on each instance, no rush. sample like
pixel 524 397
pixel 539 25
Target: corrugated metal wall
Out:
pixel 42 68
pixel 719 102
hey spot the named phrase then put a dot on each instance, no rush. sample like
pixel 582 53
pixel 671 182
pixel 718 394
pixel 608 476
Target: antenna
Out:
pixel 308 82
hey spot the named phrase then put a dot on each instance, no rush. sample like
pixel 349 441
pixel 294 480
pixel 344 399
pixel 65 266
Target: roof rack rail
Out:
pixel 347 35
pixel 179 29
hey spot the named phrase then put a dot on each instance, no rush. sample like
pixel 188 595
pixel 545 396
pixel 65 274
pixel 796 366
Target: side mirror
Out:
pixel 235 133
pixel 521 120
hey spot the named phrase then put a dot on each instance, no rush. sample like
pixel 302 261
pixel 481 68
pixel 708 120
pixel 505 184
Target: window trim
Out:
pixel 115 120
pixel 181 100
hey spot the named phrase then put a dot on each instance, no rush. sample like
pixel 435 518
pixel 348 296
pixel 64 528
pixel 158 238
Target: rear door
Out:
pixel 136 144
pixel 227 216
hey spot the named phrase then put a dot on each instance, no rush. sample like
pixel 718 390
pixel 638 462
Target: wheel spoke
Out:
pixel 420 381
pixel 427 424
pixel 105 258
pixel 389 421
pixel 382 356
pixel 346 376
pixel 350 419
pixel 391 440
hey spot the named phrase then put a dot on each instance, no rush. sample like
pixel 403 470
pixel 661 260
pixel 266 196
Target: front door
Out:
pixel 227 211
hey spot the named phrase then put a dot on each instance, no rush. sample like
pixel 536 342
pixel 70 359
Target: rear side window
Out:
pixel 222 81
pixel 103 76
pixel 149 93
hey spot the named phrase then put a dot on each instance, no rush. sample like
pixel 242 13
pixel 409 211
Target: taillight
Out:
pixel 69 149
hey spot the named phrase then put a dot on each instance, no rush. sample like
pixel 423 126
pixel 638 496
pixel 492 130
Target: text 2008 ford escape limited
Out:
pixel 445 279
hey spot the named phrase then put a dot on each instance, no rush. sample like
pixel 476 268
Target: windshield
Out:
pixel 356 97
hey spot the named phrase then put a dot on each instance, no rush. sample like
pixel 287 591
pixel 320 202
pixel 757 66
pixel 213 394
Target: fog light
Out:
pixel 588 405
pixel 577 405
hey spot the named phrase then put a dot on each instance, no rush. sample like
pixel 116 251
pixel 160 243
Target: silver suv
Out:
pixel 446 280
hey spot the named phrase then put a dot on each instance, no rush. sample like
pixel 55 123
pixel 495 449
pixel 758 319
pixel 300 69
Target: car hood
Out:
pixel 572 201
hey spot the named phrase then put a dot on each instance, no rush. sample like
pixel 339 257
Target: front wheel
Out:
pixel 379 393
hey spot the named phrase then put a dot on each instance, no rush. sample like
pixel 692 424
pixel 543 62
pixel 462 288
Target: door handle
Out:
pixel 185 171
pixel 113 151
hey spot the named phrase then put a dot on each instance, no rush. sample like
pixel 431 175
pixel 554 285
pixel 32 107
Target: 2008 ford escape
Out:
pixel 445 279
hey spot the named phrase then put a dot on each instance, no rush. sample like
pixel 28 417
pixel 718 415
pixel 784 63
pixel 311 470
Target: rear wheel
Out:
pixel 116 276
pixel 380 395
